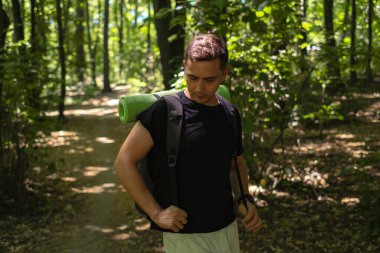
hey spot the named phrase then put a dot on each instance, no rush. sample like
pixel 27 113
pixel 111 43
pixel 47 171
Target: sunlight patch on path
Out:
pixel 105 140
pixel 100 112
pixel 56 138
pixel 106 187
pixel 91 171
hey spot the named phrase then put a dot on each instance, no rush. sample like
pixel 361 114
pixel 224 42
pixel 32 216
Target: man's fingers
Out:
pixel 182 212
pixel 254 226
pixel 248 217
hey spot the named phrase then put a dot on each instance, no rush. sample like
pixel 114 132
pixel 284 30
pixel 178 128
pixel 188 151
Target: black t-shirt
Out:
pixel 203 167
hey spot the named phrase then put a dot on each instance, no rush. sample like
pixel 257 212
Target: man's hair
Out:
pixel 207 47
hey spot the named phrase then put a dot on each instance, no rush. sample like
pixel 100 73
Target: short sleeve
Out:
pixel 154 120
pixel 239 142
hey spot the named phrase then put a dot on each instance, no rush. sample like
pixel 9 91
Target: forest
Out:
pixel 304 74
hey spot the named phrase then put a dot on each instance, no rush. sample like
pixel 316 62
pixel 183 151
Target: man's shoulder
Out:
pixel 231 107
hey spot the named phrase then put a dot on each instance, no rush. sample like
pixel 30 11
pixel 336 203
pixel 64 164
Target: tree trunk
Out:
pixel 149 45
pixel 119 21
pixel 162 28
pixel 44 28
pixel 368 69
pixel 80 61
pixel 345 19
pixel 136 14
pixel 121 38
pixel 106 82
pixel 304 32
pixel 32 77
pixel 171 52
pixel 177 46
pixel 331 50
pixel 4 25
pixel 353 75
pixel 62 60
pixel 18 25
pixel 33 35
pixel 91 48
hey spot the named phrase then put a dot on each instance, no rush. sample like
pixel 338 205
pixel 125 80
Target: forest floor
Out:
pixel 320 205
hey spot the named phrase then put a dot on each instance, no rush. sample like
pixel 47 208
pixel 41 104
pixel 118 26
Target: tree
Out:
pixel 368 69
pixel 106 71
pixel 33 35
pixel 346 19
pixel 332 55
pixel 119 21
pixel 4 25
pixel 353 75
pixel 80 59
pixel 18 24
pixel 92 45
pixel 170 37
pixel 149 43
pixel 304 32
pixel 62 60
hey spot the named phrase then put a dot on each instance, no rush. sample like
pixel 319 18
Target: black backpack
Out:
pixel 173 136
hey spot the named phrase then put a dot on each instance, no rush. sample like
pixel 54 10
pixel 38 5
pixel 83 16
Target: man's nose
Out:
pixel 199 86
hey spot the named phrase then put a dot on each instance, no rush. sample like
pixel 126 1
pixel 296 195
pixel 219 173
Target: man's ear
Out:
pixel 225 73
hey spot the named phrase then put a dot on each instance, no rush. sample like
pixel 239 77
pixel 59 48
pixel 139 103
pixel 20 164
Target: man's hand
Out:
pixel 172 218
pixel 251 219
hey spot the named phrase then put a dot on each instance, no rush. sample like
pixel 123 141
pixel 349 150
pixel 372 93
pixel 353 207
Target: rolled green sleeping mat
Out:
pixel 130 106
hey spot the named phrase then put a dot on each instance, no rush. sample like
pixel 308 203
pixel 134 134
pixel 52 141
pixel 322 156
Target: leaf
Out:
pixel 162 13
pixel 172 38
pixel 260 14
pixel 307 25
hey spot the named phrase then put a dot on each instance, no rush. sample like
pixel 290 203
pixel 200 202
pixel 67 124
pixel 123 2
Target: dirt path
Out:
pixel 329 183
pixel 105 220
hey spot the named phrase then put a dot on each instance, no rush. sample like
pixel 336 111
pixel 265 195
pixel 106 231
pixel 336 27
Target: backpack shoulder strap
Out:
pixel 173 138
pixel 232 118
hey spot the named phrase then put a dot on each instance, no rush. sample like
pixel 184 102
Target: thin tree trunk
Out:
pixel 353 75
pixel 106 82
pixel 149 45
pixel 136 13
pixel 333 60
pixel 368 70
pixel 121 38
pixel 345 19
pixel 119 21
pixel 304 32
pixel 35 88
pixel 91 48
pixel 33 35
pixel 18 24
pixel 4 25
pixel 62 60
pixel 80 61
pixel 42 30
pixel 304 36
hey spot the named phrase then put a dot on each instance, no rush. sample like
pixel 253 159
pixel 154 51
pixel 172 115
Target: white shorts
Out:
pixel 225 240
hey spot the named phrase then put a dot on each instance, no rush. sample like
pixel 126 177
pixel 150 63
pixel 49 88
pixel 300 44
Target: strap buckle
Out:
pixel 172 160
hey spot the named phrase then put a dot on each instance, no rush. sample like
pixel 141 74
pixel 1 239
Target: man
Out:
pixel 204 219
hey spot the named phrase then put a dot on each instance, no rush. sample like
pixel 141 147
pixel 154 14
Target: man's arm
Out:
pixel 135 147
pixel 251 218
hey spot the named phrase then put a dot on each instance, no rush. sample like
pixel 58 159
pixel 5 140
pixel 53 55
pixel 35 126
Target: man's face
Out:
pixel 203 79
